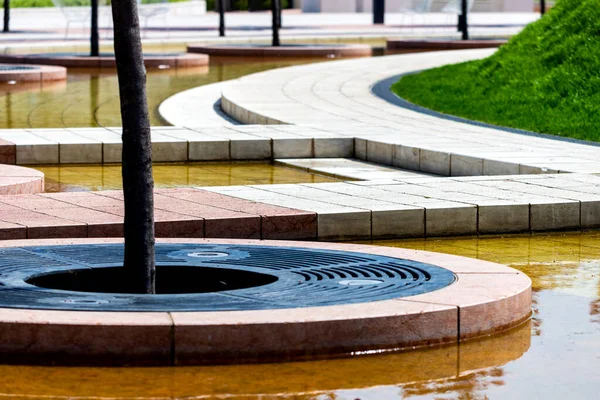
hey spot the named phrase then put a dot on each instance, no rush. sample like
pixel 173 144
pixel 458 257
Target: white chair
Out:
pixel 454 8
pixel 413 8
pixel 74 14
pixel 153 9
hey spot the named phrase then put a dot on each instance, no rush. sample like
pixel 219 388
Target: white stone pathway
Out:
pixel 490 181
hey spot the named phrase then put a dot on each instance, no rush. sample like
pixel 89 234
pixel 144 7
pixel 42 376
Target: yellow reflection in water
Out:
pixel 299 380
pixel 90 98
pixel 69 178
pixel 555 355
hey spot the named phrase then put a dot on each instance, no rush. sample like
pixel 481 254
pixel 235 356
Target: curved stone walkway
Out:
pixel 490 180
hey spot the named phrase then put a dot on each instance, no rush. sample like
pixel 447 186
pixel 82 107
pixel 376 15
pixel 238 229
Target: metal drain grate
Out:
pixel 304 277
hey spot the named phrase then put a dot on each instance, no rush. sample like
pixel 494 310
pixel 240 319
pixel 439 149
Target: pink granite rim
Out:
pixel 25 73
pixel 433 44
pixel 486 298
pixel 20 180
pixel 330 51
pixel 75 61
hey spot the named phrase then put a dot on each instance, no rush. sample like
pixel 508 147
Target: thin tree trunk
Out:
pixel 275 7
pixel 137 151
pixel 6 16
pixel 465 19
pixel 378 12
pixel 94 37
pixel 221 6
pixel 543 7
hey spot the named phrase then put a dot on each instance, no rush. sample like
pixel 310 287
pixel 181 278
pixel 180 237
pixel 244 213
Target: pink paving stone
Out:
pixel 105 230
pixel 9 231
pixel 33 202
pixel 84 215
pixel 238 227
pixel 40 225
pixel 115 210
pixel 277 222
pixel 191 228
pixel 8 152
pixel 85 199
pixel 289 227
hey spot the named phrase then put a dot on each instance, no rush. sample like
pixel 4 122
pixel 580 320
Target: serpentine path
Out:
pixel 489 180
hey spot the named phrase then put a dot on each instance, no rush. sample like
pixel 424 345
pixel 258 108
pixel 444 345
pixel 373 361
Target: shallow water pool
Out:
pixel 554 355
pixel 76 178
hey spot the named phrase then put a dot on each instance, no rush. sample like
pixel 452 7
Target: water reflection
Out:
pixel 89 98
pixel 326 379
pixel 75 178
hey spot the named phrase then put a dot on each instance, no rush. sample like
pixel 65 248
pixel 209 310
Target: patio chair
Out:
pixel 73 14
pixel 413 8
pixel 153 9
pixel 454 8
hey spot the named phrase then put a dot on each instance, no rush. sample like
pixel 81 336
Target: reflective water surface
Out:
pixel 90 98
pixel 554 355
pixel 76 178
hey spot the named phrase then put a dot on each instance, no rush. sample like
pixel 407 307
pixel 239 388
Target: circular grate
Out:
pixel 302 277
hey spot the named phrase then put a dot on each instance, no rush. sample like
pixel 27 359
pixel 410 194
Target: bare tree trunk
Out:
pixel 6 16
pixel 275 7
pixel 137 151
pixel 221 6
pixel 94 37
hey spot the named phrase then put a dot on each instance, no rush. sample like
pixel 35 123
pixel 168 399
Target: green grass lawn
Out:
pixel 546 79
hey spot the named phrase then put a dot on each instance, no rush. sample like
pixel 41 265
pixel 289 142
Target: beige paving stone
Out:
pixel 442 220
pixel 379 152
pixel 555 215
pixel 465 165
pixel 434 162
pixel 502 217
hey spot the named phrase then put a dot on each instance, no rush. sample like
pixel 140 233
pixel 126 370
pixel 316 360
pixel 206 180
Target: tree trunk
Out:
pixel 464 11
pixel 94 38
pixel 378 12
pixel 275 7
pixel 137 151
pixel 6 16
pixel 221 6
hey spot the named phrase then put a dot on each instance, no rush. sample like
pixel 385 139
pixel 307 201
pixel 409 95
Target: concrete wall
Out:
pixel 350 6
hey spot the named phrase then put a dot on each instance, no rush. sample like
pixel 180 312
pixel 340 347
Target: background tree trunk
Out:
pixel 6 16
pixel 138 184
pixel 221 6
pixel 275 7
pixel 94 38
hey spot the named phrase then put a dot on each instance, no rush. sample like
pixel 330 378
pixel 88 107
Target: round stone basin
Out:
pixel 238 301
pixel 285 50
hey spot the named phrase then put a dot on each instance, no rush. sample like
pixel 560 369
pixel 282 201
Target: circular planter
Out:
pixel 18 180
pixel 10 73
pixel 80 60
pixel 259 301
pixel 286 50
pixel 433 45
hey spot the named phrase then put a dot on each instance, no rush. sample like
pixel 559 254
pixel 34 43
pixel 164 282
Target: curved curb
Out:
pixel 20 180
pixel 403 44
pixel 486 298
pixel 382 89
pixel 80 61
pixel 23 73
pixel 329 51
